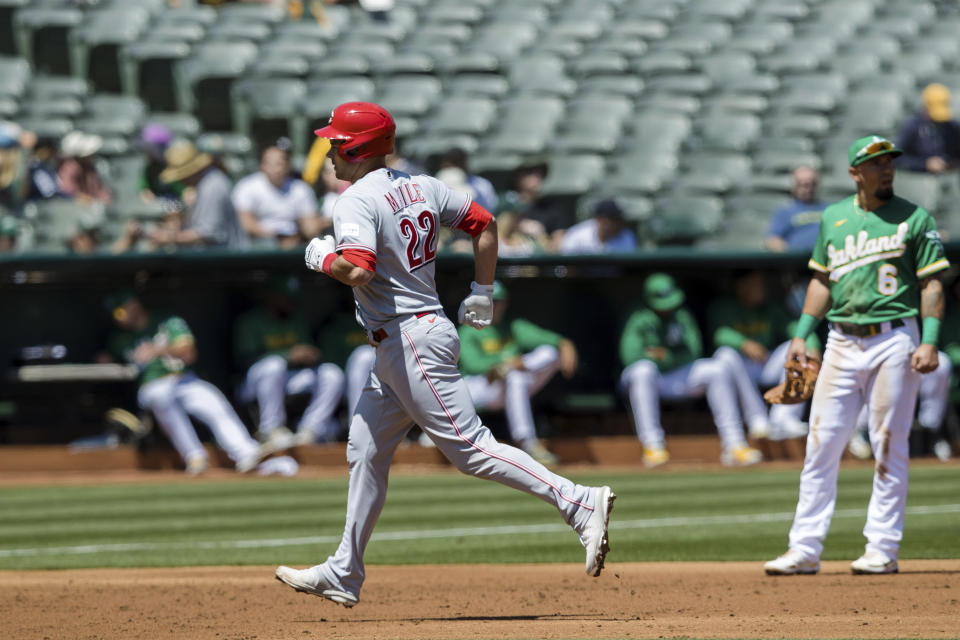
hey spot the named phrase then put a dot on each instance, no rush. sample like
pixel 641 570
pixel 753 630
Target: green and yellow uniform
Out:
pixel 162 331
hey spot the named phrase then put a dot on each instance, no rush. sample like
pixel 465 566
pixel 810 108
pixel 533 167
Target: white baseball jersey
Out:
pixel 277 210
pixel 392 220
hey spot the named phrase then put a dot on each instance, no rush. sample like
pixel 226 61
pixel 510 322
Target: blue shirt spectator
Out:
pixel 796 225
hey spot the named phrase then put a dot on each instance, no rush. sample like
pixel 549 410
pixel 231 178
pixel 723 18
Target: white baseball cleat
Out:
pixel 312 581
pixel 740 456
pixel 791 563
pixel 874 562
pixel 280 439
pixel 595 537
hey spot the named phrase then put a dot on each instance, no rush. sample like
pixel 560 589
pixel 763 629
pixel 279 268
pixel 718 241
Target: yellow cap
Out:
pixel 936 98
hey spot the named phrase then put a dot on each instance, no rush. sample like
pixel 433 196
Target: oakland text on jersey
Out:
pixel 863 250
pixel 407 193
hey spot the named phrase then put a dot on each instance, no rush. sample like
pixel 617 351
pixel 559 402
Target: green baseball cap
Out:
pixel 869 147
pixel 499 291
pixel 661 293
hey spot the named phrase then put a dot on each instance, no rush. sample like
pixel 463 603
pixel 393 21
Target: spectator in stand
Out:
pixel 78 177
pixel 605 232
pixel 15 146
pixel 507 363
pixel 931 138
pixel 9 230
pixel 42 168
pixel 275 208
pixel 538 217
pixel 396 160
pixel 154 140
pixel 795 226
pixel 210 220
pixel 483 192
pixel 662 353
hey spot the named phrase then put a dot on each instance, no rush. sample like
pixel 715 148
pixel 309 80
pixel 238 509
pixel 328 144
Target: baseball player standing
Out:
pixel 386 226
pixel 874 271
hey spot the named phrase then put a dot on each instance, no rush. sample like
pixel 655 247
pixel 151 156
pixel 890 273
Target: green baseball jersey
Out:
pixel 162 331
pixel 769 324
pixel 482 350
pixel 259 333
pixel 678 333
pixel 339 337
pixel 875 259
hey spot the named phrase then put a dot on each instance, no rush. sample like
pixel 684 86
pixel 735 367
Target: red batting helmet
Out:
pixel 366 130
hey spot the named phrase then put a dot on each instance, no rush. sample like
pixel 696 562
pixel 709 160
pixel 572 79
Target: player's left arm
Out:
pixel 924 359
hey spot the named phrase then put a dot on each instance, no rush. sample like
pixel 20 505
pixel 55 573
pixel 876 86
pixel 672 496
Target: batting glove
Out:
pixel 476 309
pixel 317 251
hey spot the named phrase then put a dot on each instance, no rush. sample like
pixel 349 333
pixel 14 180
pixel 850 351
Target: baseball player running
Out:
pixel 386 229
pixel 874 271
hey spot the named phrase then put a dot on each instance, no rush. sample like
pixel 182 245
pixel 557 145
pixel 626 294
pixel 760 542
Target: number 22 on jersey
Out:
pixel 420 233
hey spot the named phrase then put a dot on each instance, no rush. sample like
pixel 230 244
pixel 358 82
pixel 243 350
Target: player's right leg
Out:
pixel 325 385
pixel 378 426
pixel 265 382
pixel 754 409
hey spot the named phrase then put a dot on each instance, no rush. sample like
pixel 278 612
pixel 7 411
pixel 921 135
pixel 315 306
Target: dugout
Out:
pixel 60 300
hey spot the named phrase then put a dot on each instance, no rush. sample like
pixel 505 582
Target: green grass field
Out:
pixel 447 518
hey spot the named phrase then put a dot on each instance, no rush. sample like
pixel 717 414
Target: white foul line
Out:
pixel 461 532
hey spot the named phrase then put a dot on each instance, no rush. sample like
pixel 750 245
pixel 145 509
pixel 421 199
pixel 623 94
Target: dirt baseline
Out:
pixel 702 600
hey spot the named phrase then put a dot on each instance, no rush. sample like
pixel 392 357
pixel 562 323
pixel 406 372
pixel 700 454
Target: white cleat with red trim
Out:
pixel 595 537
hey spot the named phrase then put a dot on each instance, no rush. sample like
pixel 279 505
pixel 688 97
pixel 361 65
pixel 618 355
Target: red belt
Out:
pixel 380 335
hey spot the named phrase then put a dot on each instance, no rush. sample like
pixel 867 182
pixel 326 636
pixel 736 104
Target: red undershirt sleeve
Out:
pixel 363 259
pixel 475 221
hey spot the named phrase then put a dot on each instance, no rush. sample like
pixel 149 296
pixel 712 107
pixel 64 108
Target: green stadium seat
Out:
pixel 759 83
pixel 526 124
pixel 684 105
pixel 409 95
pixel 134 56
pixel 556 47
pixel 599 63
pixel 903 28
pixel 758 206
pixel 573 175
pixel 9 107
pixel 647 30
pixel 583 29
pixel 669 128
pixel 652 10
pixel 251 12
pixel 14 76
pixel 810 100
pixel 834 83
pixel 257 99
pixel 115 106
pixel 721 66
pixel 453 13
pixel 873 110
pixel 47 127
pixel 447 32
pixel 641 171
pixel 426 146
pixel 393 32
pixel 238 31
pixel 186 14
pixel 469 62
pixel 855 12
pixel 695 84
pixel 738 103
pixel 211 60
pixel 712 172
pixel 791 61
pixel 803 124
pixel 464 114
pixel 924 13
pixel 111 28
pixel 628 85
pixel 541 75
pixel 489 85
pixel 417 62
pixel 781 10
pixel 309 29
pixel 728 10
pixel 687 44
pixel 504 40
pixel 183 125
pixel 593 124
pixel 30 20
pixel 52 106
pixel 727 131
pixel 918 64
pixel 782 161
pixel 683 219
pixel 236 150
pixel 374 52
pixel 525 13
pixel 925 189
pixel 715 33
pixel 278 66
pixel 739 231
pixel 787 144
pixel 340 65
pixel 630 47
pixel 324 94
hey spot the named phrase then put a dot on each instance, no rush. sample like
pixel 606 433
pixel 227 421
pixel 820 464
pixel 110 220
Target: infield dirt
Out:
pixel 700 600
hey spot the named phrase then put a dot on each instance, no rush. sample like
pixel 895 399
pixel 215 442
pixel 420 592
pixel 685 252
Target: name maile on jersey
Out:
pixel 403 196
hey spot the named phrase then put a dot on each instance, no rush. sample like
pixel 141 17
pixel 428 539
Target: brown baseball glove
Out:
pixel 799 384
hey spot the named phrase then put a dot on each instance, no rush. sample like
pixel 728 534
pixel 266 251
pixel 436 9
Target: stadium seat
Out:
pixel 340 65
pixel 526 124
pixel 541 75
pixel 738 103
pixel 161 56
pixel 803 124
pixel 726 131
pixel 108 28
pixel 409 95
pixel 573 175
pixel 599 63
pixel 251 12
pixel 28 21
pixel 47 127
pixel 721 66
pixel 210 61
pixel 324 94
pixel 278 66
pixel 183 125
pixel 593 124
pixel 925 189
pixel 627 46
pixel 628 85
pixel 712 172
pixel 658 62
pixel 556 47
pixel 694 84
pixel 652 10
pixel 833 83
pixel 647 30
pixel 52 107
pixel 446 32
pixel 14 76
pixel 666 129
pixel 873 110
pixel 682 219
pixel 503 40
pixel 463 114
pixel 469 62
pixel 201 15
pixel 453 13
pixel 783 161
pixel 425 147
pixel 490 85
pixel 236 150
pixel 640 171
pixel 9 107
pixel 257 99
pixel 728 10
pixel 405 63
pixel 228 31
pixel 810 100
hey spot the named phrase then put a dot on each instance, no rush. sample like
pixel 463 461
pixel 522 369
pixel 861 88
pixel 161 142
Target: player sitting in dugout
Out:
pixel 507 363
pixel 661 349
